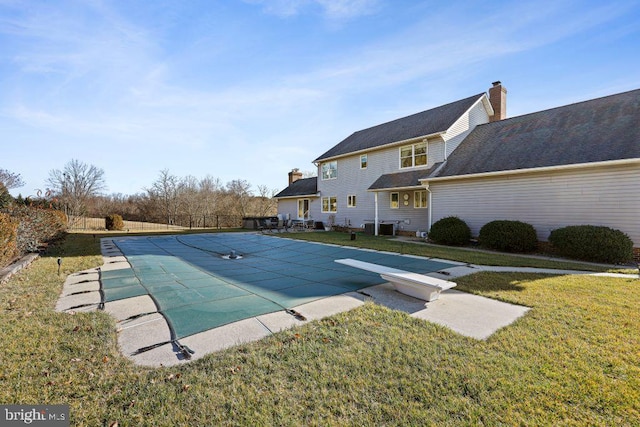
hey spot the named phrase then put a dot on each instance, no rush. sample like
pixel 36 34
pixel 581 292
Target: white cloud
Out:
pixel 332 9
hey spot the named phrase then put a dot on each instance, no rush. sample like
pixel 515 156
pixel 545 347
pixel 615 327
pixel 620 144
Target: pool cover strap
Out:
pixel 182 349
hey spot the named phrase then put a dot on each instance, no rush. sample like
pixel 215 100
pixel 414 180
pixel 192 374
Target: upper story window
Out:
pixel 363 161
pixel 351 201
pixel 330 170
pixel 413 155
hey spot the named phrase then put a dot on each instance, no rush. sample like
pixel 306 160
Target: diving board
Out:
pixel 413 284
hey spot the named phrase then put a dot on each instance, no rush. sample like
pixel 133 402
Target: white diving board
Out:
pixel 413 284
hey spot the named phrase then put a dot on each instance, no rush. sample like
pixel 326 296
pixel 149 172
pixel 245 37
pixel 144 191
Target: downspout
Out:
pixel 429 211
pixel 375 221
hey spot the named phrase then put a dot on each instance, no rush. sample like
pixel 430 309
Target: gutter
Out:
pixel 429 210
pixel 379 147
pixel 298 196
pixel 425 181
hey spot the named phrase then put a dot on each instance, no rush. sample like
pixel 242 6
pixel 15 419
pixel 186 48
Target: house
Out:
pixel 571 165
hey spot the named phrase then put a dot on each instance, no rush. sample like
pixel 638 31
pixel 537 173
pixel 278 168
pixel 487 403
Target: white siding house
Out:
pixel 571 165
pixel 360 170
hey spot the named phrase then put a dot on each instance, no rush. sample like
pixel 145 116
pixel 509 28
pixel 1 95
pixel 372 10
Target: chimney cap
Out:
pixel 497 83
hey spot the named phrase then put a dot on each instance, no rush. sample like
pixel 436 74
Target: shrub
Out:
pixel 450 231
pixel 113 222
pixel 8 239
pixel 592 243
pixel 508 236
pixel 38 226
pixel 5 197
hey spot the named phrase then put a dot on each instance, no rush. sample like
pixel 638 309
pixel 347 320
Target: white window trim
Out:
pixel 416 198
pixel 307 214
pixel 351 201
pixel 391 200
pixel 329 168
pixel 367 161
pixel 329 204
pixel 413 155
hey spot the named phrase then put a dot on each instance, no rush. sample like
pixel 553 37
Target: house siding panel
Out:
pixel 288 207
pixel 352 180
pixel 477 115
pixel 550 200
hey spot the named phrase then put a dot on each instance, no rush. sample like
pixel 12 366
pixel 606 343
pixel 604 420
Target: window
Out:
pixel 395 200
pixel 351 201
pixel 420 199
pixel 413 155
pixel 330 170
pixel 330 204
pixel 363 161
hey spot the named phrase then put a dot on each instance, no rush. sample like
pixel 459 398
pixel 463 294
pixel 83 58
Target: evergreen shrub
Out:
pixel 508 236
pixel 450 231
pixel 592 243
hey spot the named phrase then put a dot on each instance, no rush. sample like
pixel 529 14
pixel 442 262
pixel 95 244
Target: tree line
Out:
pixel 78 190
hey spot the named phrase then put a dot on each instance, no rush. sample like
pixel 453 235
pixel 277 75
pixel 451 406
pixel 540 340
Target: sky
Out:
pixel 250 89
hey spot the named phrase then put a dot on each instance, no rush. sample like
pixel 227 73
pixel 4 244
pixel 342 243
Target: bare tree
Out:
pixel 10 180
pixel 189 199
pixel 165 191
pixel 75 185
pixel 265 203
pixel 210 192
pixel 240 194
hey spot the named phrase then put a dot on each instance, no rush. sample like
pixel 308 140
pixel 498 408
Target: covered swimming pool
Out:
pixel 196 286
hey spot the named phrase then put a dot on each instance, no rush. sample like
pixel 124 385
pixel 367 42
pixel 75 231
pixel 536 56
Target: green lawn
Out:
pixel 391 244
pixel 574 359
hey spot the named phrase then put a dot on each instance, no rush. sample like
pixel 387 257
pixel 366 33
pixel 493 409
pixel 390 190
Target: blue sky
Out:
pixel 249 89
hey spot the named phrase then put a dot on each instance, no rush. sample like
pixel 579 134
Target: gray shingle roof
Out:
pixel 592 131
pixel 301 187
pixel 428 122
pixel 402 179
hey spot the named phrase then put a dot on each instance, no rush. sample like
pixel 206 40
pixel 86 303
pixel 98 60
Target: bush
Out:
pixel 592 243
pixel 508 236
pixel 113 222
pixel 5 197
pixel 8 239
pixel 38 226
pixel 450 231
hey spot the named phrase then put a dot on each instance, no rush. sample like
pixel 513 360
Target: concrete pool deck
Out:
pixel 141 326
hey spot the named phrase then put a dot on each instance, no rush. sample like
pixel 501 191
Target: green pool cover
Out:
pixel 196 289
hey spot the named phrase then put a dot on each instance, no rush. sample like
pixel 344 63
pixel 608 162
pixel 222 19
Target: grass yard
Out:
pixel 574 359
pixel 387 243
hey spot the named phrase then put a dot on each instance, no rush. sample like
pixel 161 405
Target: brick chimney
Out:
pixel 294 175
pixel 498 100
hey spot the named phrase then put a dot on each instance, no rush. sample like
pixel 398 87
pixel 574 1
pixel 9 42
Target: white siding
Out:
pixel 477 115
pixel 546 200
pixel 288 207
pixel 354 181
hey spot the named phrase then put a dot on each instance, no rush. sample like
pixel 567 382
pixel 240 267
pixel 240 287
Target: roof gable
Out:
pixel 425 123
pixel 301 187
pixel 592 131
